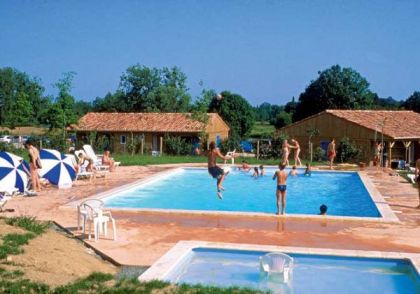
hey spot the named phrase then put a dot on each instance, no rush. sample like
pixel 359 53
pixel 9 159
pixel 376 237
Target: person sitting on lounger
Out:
pixel 83 158
pixel 107 160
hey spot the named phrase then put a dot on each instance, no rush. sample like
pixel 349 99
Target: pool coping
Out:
pixel 167 262
pixel 387 215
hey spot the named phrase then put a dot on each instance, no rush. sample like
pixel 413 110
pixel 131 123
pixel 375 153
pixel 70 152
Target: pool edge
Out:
pixel 387 215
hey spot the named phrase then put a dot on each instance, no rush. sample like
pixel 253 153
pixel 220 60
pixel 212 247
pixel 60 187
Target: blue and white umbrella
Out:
pixel 13 172
pixel 57 168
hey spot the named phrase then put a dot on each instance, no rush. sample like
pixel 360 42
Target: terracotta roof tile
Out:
pixel 139 122
pixel 398 124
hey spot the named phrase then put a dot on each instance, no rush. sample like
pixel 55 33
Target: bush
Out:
pixel 232 143
pixel 282 119
pixel 347 151
pixel 175 145
pixel 318 154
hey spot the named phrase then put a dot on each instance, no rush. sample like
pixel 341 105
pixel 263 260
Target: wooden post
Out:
pixel 142 145
pixel 311 151
pixel 258 149
pixel 391 145
pixel 406 145
pixel 161 146
pixel 132 144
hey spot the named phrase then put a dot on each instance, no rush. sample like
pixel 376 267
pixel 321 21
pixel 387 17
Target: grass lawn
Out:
pixel 262 129
pixel 127 160
pixel 13 280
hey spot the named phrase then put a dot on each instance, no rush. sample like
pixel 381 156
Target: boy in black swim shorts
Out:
pixel 281 177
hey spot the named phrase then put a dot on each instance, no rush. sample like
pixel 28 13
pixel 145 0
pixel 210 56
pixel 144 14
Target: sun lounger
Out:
pixel 97 158
pixel 412 178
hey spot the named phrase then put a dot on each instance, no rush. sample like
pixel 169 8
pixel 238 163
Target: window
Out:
pixel 123 139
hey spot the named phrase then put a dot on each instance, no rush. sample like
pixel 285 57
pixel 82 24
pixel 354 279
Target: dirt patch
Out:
pixel 55 258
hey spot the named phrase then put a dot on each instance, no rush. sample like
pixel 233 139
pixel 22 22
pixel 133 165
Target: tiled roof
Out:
pixel 140 122
pixel 398 124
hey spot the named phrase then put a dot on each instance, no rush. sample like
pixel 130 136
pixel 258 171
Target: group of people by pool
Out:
pixel 280 175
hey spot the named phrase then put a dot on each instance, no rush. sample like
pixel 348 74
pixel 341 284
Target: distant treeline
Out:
pixel 145 89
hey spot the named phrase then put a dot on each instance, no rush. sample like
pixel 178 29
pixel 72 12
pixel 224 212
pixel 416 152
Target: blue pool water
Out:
pixel 193 189
pixel 311 273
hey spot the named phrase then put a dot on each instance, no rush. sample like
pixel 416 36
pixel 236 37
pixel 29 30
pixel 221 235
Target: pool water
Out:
pixel 311 273
pixel 193 189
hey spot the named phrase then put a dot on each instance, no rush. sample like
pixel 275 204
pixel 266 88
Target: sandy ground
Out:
pixel 54 258
pixel 144 237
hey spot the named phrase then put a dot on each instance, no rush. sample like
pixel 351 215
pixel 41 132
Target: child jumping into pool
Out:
pixel 281 176
pixel 215 171
pixel 256 173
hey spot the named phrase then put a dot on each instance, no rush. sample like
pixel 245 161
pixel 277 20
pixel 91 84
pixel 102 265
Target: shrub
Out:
pixel 175 145
pixel 319 154
pixel 232 143
pixel 347 151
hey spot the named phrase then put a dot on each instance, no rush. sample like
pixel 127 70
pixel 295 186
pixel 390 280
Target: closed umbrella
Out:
pixel 57 168
pixel 13 173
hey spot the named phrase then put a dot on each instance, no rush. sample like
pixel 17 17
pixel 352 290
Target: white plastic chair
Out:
pixel 83 213
pixel 277 264
pixel 231 154
pixel 100 220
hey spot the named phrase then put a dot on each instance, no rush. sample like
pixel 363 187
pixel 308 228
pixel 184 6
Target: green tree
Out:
pixel 82 107
pixel 153 90
pixel 202 102
pixel 413 102
pixel 283 119
pixel 236 111
pixel 335 88
pixel 20 98
pixel 62 111
pixel 111 103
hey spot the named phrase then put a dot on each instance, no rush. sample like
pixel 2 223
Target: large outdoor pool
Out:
pixel 311 273
pixel 193 189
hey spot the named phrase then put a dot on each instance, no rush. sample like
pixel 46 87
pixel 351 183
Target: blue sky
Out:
pixel 263 50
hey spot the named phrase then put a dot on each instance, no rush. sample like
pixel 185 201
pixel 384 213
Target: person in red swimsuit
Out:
pixel 331 153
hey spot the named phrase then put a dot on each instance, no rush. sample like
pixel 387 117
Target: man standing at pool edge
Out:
pixel 215 171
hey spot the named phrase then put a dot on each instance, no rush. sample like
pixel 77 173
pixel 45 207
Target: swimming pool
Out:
pixel 312 272
pixel 193 189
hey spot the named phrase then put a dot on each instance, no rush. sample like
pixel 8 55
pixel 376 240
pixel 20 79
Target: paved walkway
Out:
pixel 144 237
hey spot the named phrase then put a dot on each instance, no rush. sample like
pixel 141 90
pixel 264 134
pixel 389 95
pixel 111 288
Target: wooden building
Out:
pixel 148 129
pixel 399 130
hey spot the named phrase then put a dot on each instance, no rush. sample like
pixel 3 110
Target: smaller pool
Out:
pixel 311 274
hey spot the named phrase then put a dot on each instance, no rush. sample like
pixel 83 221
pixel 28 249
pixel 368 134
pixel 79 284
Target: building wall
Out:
pixel 115 140
pixel 334 127
pixel 217 127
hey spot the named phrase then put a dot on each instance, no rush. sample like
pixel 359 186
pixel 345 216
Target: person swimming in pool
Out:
pixel 294 171
pixel 262 170
pixel 215 171
pixel 323 209
pixel 281 177
pixel 256 172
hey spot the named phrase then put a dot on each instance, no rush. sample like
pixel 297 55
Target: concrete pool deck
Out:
pixel 143 237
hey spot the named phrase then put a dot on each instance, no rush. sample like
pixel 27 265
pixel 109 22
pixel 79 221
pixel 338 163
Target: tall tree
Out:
pixel 20 98
pixel 62 111
pixel 413 102
pixel 236 111
pixel 335 88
